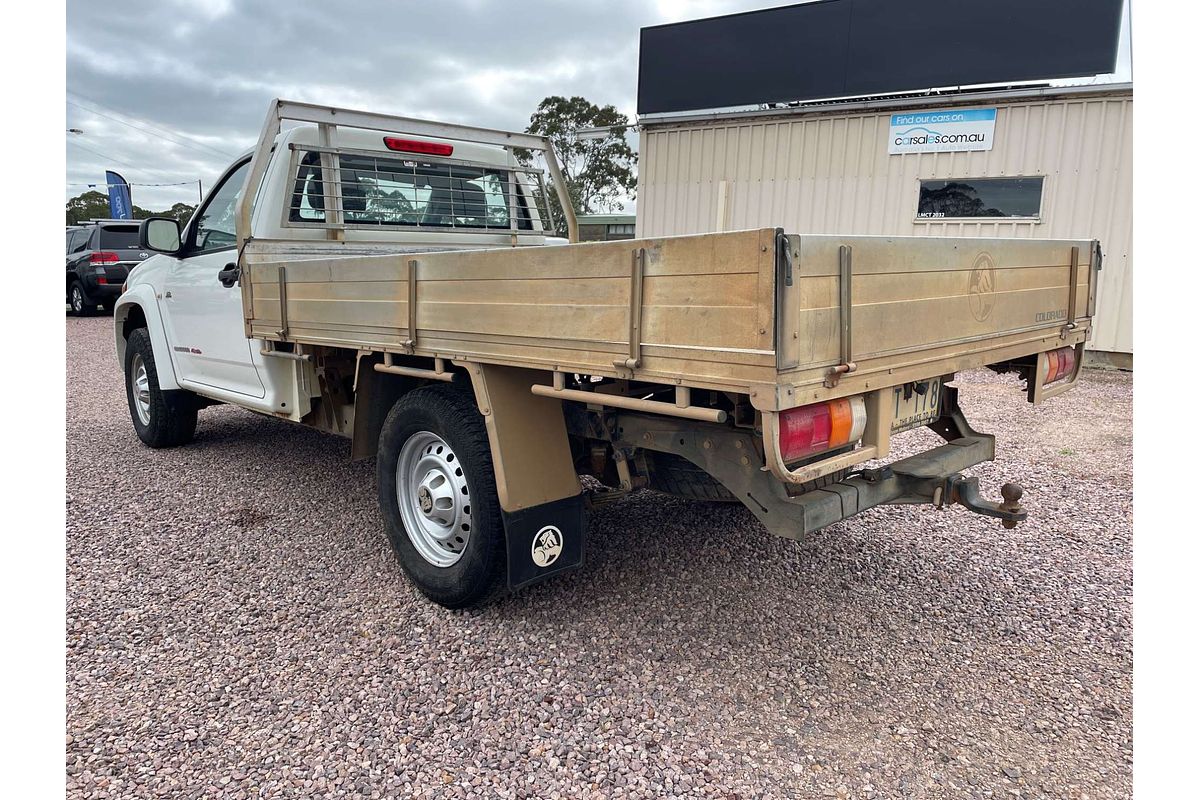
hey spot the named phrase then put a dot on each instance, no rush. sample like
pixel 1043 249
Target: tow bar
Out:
pixel 965 491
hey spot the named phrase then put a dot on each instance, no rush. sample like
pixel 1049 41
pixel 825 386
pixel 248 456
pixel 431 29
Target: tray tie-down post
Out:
pixel 637 273
pixel 845 327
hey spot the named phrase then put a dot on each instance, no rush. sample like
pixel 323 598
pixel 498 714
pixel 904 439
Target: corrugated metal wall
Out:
pixel 831 173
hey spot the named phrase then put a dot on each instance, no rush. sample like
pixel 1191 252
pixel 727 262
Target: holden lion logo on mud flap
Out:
pixel 547 546
pixel 981 291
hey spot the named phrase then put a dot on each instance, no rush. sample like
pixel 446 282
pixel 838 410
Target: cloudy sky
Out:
pixel 170 91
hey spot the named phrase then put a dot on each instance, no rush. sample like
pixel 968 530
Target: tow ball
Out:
pixel 965 491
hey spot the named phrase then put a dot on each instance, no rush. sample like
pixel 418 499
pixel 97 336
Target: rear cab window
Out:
pixel 412 192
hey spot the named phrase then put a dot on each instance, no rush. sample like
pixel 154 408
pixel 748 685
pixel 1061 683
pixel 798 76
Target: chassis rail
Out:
pixel 733 457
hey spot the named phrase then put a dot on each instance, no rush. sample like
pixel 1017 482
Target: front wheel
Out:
pixel 160 419
pixel 437 494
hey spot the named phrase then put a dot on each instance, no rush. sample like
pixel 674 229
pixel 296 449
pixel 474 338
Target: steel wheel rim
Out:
pixel 141 388
pixel 76 299
pixel 434 499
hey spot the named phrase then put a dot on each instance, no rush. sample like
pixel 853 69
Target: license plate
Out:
pixel 916 409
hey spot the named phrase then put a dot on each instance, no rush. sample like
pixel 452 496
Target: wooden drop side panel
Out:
pixel 707 305
pixel 916 296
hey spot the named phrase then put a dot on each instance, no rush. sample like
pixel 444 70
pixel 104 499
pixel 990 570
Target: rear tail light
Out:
pixel 1059 364
pixel 415 146
pixel 813 429
pixel 103 257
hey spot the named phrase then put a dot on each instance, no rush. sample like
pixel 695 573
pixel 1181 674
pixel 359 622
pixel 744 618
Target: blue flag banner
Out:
pixel 120 206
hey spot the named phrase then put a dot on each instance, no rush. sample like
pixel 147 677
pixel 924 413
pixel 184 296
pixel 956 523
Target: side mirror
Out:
pixel 160 234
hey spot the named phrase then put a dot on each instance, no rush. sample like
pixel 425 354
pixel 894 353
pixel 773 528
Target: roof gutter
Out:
pixel 877 104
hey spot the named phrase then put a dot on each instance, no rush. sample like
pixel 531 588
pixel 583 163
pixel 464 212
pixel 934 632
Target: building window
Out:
pixel 975 198
pixel 621 229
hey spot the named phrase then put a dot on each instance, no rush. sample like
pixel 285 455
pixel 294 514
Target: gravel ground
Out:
pixel 237 627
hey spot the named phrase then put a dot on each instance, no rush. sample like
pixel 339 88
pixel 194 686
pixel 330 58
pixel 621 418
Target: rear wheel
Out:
pixel 675 475
pixel 437 494
pixel 161 419
pixel 79 301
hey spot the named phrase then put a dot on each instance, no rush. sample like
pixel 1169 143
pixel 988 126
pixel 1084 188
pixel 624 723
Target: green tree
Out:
pixel 599 172
pixel 89 205
pixel 94 205
pixel 180 211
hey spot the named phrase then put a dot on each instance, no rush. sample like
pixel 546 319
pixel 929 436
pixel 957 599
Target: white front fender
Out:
pixel 141 299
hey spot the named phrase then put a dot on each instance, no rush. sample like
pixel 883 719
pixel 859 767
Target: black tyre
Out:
pixel 160 419
pixel 79 302
pixel 437 494
pixel 675 475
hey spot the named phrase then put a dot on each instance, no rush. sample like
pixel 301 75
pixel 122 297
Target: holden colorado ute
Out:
pixel 389 280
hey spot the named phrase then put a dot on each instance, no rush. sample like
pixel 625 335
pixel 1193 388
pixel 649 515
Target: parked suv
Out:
pixel 100 254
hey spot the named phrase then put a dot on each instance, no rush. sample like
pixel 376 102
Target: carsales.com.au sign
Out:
pixel 942 131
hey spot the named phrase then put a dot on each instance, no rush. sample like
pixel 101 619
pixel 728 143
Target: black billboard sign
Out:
pixel 845 48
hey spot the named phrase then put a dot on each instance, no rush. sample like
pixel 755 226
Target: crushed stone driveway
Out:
pixel 237 627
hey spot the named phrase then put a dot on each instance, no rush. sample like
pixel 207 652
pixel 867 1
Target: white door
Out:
pixel 203 314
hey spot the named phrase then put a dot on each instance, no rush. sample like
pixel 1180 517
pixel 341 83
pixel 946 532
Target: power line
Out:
pixel 144 123
pixel 177 183
pixel 114 158
pixel 163 133
pixel 103 155
pixel 210 152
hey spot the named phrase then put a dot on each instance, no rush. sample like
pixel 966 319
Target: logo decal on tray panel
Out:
pixel 547 546
pixel 982 287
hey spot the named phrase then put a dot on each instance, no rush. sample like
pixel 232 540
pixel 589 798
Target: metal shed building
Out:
pixel 1060 165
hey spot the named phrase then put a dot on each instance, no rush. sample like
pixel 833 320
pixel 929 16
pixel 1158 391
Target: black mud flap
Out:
pixel 544 541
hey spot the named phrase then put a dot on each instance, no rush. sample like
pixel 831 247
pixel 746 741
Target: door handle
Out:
pixel 229 276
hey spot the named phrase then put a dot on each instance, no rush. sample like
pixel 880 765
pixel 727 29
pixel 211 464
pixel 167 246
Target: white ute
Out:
pixel 385 279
